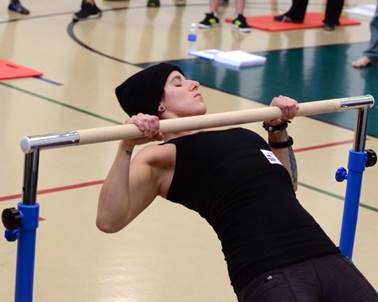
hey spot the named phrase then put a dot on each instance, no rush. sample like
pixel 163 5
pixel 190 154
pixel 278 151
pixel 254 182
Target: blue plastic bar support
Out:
pixel 356 166
pixel 26 252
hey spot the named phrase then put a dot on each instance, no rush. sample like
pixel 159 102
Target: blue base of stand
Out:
pixel 26 252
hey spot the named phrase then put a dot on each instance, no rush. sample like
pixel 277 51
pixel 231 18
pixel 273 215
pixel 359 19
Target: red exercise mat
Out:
pixel 9 70
pixel 312 20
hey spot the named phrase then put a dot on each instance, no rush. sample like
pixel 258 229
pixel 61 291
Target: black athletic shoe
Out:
pixel 153 3
pixel 285 18
pixel 240 22
pixel 17 7
pixel 86 11
pixel 328 27
pixel 209 21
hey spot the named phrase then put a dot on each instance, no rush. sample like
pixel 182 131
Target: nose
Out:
pixel 194 85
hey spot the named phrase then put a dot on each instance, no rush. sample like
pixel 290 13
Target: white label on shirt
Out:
pixel 271 157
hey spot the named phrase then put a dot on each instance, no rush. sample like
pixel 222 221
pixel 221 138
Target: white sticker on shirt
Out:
pixel 271 157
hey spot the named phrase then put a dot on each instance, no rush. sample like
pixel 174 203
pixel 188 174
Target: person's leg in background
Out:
pixel 211 19
pixel 240 21
pixel 153 3
pixel 295 14
pixel 332 14
pixel 17 7
pixel 370 55
pixel 88 9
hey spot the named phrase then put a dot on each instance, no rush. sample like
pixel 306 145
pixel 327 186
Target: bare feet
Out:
pixel 362 62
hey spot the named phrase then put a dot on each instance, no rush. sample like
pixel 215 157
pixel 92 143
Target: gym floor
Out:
pixel 168 253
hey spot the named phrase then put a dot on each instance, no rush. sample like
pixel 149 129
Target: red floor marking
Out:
pixel 323 146
pixel 99 182
pixel 57 189
pixel 10 197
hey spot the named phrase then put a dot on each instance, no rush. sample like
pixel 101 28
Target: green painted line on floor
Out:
pixel 362 205
pixel 61 104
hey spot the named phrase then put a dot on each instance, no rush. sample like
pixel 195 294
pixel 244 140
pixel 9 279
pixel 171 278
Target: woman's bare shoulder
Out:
pixel 156 153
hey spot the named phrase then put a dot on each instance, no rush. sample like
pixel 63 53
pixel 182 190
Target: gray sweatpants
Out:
pixel 372 51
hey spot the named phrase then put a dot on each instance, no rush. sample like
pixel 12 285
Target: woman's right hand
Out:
pixel 149 125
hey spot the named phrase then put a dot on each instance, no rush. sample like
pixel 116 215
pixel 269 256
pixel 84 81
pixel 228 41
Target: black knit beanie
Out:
pixel 142 92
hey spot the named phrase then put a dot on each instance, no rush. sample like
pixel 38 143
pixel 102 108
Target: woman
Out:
pixel 274 249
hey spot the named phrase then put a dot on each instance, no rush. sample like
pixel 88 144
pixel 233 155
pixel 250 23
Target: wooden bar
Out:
pixel 111 133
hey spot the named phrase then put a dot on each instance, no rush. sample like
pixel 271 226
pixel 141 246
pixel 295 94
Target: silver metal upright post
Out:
pixel 360 132
pixel 29 189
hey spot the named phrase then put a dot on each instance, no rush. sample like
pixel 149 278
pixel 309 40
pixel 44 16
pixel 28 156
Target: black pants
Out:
pixel 327 279
pixel 298 9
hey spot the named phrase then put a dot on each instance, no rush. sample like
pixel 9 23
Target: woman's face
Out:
pixel 182 96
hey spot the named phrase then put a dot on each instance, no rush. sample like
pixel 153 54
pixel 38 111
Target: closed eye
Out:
pixel 177 82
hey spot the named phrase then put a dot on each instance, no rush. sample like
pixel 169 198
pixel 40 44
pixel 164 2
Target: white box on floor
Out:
pixel 362 10
pixel 235 58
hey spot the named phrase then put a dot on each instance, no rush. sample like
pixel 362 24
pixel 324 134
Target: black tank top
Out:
pixel 248 200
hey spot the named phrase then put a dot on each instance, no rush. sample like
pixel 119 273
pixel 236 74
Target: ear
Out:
pixel 161 108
